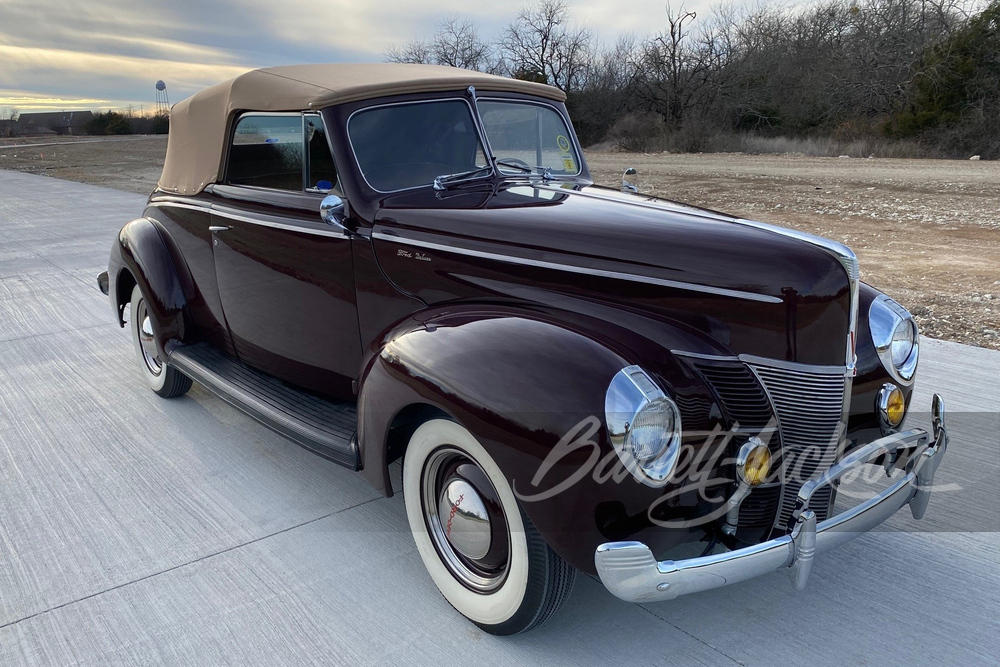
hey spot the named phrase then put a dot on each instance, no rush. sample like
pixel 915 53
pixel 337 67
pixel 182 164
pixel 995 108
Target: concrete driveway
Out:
pixel 136 530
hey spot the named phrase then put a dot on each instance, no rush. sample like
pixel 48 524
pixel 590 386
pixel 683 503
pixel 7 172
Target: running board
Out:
pixel 329 429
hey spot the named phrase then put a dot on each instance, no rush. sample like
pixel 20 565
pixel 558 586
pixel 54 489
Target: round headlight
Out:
pixel 651 431
pixel 644 425
pixel 894 333
pixel 903 338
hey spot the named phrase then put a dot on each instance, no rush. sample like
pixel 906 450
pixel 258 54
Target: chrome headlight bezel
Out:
pixel 886 318
pixel 631 395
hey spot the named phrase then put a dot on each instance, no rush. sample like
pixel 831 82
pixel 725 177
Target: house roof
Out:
pixel 198 124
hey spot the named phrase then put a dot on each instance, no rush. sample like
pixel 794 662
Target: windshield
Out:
pixel 528 135
pixel 409 145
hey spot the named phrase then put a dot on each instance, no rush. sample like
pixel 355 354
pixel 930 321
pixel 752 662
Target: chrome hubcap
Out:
pixel 465 519
pixel 146 342
pixel 466 522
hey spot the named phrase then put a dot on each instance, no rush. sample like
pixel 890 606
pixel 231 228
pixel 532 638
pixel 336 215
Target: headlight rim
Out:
pixel 885 316
pixel 882 400
pixel 643 392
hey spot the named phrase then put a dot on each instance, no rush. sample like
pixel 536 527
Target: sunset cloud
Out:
pixel 109 53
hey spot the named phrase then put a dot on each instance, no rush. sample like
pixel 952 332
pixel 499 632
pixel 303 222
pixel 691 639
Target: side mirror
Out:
pixel 334 211
pixel 628 186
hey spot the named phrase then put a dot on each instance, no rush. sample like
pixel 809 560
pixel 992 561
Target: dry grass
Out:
pixel 821 147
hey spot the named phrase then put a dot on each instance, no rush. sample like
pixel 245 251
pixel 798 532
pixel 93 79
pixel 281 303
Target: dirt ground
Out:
pixel 129 163
pixel 926 231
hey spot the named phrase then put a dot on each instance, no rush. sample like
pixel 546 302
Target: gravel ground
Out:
pixel 926 231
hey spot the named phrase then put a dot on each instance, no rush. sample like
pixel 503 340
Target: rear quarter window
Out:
pixel 267 152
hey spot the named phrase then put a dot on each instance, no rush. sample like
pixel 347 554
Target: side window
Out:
pixel 267 152
pixel 321 172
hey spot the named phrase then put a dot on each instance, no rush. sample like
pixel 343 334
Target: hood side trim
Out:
pixel 691 287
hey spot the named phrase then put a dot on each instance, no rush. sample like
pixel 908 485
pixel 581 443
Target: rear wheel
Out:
pixel 165 380
pixel 480 548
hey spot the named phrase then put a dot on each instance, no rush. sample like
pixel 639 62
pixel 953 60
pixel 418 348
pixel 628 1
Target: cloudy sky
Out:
pixel 79 54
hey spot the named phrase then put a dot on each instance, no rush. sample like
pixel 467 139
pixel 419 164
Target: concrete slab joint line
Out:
pixel 190 562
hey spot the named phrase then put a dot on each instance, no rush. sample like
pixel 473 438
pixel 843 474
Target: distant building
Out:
pixel 60 122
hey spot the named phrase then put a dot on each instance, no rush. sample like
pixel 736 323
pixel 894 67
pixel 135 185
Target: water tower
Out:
pixel 162 102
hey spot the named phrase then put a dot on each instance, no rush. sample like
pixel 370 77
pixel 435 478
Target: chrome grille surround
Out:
pixel 788 386
pixel 812 406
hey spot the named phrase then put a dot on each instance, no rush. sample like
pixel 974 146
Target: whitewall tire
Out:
pixel 478 545
pixel 163 379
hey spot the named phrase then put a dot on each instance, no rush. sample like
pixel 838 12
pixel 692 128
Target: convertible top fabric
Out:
pixel 198 124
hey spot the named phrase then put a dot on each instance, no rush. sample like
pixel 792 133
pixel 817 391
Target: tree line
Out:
pixel 919 75
pixel 108 122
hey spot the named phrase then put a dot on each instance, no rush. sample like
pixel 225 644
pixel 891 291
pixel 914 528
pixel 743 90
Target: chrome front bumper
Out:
pixel 629 570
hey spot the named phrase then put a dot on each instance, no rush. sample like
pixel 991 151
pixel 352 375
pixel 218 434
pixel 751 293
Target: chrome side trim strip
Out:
pixel 793 365
pixel 707 357
pixel 231 215
pixel 174 204
pixel 717 291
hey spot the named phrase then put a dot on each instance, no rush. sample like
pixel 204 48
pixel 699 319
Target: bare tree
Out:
pixel 676 68
pixel 457 43
pixel 541 45
pixel 415 52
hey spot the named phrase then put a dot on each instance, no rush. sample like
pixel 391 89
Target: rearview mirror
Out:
pixel 334 211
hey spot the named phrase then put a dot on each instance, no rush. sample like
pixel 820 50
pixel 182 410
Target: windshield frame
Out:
pixel 351 109
pixel 571 132
pixel 476 121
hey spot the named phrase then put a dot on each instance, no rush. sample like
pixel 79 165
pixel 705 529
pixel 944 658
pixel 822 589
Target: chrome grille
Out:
pixel 740 394
pixel 809 405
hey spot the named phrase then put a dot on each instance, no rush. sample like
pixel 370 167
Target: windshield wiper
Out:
pixel 444 180
pixel 514 165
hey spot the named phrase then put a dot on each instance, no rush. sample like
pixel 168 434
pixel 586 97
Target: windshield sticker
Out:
pixel 566 154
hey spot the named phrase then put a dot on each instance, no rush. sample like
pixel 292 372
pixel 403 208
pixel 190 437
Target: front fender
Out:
pixel 520 383
pixel 142 250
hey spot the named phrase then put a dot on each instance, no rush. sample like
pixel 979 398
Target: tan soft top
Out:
pixel 198 124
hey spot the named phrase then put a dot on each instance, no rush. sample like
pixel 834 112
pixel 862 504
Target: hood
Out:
pixel 751 290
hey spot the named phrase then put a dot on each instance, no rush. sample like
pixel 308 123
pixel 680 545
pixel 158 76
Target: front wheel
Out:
pixel 480 548
pixel 165 380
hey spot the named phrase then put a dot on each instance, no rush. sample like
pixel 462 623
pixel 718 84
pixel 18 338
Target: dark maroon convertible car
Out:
pixel 412 263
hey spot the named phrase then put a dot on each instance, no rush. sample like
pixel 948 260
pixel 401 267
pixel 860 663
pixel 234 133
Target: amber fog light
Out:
pixel 753 463
pixel 891 406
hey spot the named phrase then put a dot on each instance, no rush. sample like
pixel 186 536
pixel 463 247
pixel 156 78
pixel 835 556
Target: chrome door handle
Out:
pixel 216 228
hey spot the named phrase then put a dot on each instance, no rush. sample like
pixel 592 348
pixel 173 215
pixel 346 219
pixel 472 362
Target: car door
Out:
pixel 286 278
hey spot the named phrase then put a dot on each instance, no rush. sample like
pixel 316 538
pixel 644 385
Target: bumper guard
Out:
pixel 629 570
